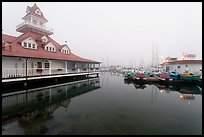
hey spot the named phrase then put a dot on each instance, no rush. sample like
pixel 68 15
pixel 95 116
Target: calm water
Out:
pixel 104 105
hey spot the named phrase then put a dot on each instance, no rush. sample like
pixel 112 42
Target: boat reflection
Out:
pixel 163 88
pixel 32 108
pixel 187 92
pixel 139 86
pixel 127 81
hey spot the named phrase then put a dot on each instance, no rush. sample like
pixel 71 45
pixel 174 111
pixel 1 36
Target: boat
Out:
pixel 174 75
pixel 128 74
pixel 191 77
pixel 149 73
pixel 162 76
pixel 139 76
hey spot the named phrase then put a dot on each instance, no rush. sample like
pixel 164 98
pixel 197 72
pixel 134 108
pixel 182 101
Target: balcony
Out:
pixel 25 26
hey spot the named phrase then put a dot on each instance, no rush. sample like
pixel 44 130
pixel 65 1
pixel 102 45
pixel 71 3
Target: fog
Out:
pixel 118 33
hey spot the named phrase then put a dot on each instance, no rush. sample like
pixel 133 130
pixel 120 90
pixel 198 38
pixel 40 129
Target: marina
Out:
pixel 103 105
pixel 107 69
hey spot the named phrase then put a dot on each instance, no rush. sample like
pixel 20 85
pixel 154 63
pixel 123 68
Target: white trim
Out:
pixel 54 76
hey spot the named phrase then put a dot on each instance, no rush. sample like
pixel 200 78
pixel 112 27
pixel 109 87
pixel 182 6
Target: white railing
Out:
pixel 21 72
pixel 10 73
pixel 34 25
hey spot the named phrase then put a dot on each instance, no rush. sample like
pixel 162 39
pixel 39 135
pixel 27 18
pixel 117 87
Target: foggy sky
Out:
pixel 117 33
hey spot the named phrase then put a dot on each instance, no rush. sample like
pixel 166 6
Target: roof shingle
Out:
pixel 16 50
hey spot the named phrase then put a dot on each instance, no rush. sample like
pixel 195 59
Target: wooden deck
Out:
pixel 45 77
pixel 14 84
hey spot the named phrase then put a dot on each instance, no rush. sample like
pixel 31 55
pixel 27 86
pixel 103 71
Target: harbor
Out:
pixel 103 106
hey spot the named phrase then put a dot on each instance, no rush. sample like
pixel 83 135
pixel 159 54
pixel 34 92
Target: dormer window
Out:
pixel 50 47
pixel 29 43
pixel 65 50
pixel 37 11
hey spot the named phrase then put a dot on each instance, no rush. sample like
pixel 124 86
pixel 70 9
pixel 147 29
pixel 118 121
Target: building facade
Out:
pixel 188 66
pixel 35 53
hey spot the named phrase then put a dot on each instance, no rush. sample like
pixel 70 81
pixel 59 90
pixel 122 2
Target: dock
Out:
pixel 155 80
pixel 12 84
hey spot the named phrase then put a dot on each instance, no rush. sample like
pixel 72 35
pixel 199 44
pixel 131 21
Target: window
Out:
pixel 33 46
pixel 25 44
pixel 178 66
pixel 47 65
pixel 73 65
pixel 39 64
pixel 186 65
pixel 29 45
pixel 47 48
pixel 53 49
pixel 50 48
pixel 44 39
pixel 37 11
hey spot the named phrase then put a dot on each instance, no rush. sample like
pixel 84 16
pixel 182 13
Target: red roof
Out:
pixel 8 38
pixel 183 62
pixel 17 50
pixel 32 12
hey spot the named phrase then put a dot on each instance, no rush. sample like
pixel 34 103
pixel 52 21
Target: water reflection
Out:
pixel 32 108
pixel 187 92
pixel 114 108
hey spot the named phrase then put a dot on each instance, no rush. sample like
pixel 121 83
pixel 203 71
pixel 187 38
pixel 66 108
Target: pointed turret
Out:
pixel 34 21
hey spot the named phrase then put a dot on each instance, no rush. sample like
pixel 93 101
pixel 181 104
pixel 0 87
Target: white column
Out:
pixel 66 66
pixel 50 70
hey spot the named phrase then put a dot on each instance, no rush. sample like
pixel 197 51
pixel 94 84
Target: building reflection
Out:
pixel 34 107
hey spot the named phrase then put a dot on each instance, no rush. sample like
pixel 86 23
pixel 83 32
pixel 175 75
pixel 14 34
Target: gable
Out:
pixel 29 43
pixel 65 50
pixel 50 47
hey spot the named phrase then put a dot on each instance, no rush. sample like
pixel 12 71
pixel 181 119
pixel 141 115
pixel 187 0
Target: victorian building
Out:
pixel 35 54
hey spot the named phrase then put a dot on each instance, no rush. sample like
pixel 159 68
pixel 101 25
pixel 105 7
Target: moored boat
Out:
pixel 139 76
pixel 128 74
pixel 174 75
pixel 149 73
pixel 186 76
